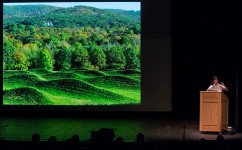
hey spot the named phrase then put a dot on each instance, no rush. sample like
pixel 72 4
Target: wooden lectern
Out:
pixel 213 111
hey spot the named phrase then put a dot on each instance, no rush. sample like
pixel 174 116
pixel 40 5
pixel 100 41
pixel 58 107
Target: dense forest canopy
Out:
pixel 55 38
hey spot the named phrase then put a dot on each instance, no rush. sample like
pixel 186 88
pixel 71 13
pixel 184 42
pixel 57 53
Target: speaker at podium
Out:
pixel 214 108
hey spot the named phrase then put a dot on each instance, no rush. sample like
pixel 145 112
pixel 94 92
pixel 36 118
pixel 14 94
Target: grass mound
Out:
pixel 114 81
pixel 62 75
pixel 7 73
pixel 71 87
pixel 92 73
pixel 130 72
pixel 25 96
pixel 40 71
pixel 26 77
pixel 81 88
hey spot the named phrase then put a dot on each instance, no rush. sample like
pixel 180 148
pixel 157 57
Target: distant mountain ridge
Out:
pixel 27 10
pixel 69 17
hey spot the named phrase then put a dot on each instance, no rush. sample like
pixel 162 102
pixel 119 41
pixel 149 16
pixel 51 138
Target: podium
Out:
pixel 213 111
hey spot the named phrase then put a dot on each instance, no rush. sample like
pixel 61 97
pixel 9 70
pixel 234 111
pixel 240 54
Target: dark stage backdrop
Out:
pixel 206 40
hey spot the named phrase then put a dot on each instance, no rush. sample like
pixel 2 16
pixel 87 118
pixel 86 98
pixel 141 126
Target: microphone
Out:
pixel 184 133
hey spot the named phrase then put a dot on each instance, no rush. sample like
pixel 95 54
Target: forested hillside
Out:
pixel 54 38
pixel 43 15
pixel 26 10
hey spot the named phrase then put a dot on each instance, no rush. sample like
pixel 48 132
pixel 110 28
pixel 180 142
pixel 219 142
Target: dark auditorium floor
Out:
pixel 22 128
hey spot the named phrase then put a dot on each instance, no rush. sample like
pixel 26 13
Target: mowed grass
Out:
pixel 122 85
pixel 72 87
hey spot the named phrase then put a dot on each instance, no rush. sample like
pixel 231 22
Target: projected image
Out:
pixel 72 53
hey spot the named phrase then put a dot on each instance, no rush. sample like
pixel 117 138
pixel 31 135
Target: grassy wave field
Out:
pixel 72 87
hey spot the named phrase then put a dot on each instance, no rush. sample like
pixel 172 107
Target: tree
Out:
pixel 19 61
pixel 12 28
pixel 31 51
pixel 45 60
pixel 63 58
pixel 98 57
pixel 132 55
pixel 80 57
pixel 115 58
pixel 8 50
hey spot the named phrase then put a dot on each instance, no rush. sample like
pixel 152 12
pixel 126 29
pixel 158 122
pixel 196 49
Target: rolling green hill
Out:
pixel 42 87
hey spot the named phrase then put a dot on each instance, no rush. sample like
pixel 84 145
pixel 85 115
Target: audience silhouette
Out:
pixel 139 142
pixel 104 139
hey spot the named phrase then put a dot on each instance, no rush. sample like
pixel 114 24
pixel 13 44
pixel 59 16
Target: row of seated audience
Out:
pixel 104 139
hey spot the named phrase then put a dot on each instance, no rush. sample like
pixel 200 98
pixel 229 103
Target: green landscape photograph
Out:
pixel 71 55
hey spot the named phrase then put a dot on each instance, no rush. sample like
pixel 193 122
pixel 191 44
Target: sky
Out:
pixel 102 5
